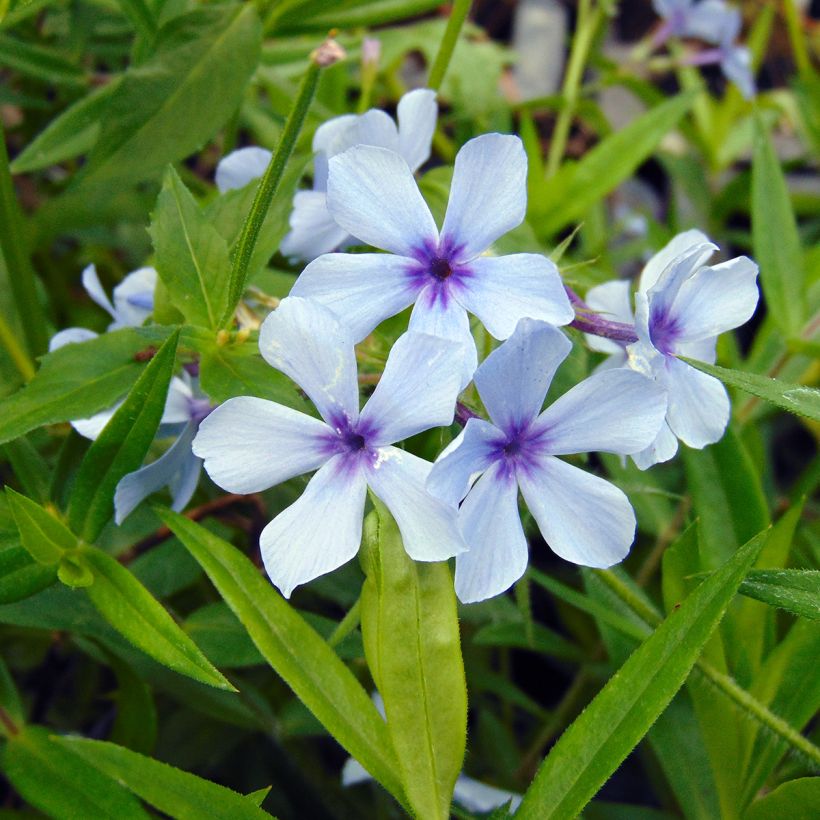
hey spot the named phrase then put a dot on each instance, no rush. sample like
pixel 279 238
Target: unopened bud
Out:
pixel 328 53
pixel 371 52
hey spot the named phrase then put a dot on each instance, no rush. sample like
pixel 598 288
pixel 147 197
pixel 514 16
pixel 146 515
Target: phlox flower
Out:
pixel 372 195
pixel 313 230
pixel 250 444
pixel 706 20
pixel 583 518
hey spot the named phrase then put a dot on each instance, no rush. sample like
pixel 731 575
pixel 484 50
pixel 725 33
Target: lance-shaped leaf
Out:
pixel 623 711
pixel 295 651
pixel 412 645
pixel 122 445
pixel 128 606
pixel 45 538
pixel 191 255
pixel 795 590
pixel 21 576
pixel 796 799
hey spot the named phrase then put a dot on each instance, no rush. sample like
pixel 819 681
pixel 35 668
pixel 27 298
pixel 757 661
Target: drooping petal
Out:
pixel 309 344
pixel 417 390
pixel 184 483
pixel 371 193
pixel 737 66
pixel 497 553
pixel 70 336
pixel 611 300
pixel 428 527
pixel 467 455
pixel 135 487
pixel 698 405
pixel 661 449
pixel 91 427
pixel 488 196
pixel 362 289
pixel 583 518
pixel 313 230
pixel 134 298
pixel 417 112
pixel 320 531
pixel 660 261
pixel 94 288
pixel 716 299
pixel 513 380
pixel 251 444
pixel 614 411
pixel 504 289
pixel 177 409
pixel 479 797
pixel 437 313
pixel 240 167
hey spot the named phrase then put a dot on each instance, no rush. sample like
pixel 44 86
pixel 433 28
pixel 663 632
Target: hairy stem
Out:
pixel 448 43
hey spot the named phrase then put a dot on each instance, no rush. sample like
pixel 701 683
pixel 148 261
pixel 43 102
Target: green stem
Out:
pixel 797 37
pixel 21 276
pixel 448 43
pixel 16 352
pixel 325 55
pixel 347 624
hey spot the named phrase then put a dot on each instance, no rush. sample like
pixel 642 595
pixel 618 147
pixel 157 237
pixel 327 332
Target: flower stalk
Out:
pixel 448 43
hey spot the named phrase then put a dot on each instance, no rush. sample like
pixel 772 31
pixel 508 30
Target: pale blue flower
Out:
pixel 312 229
pixel 706 20
pixel 583 518
pixel 251 444
pixel 372 194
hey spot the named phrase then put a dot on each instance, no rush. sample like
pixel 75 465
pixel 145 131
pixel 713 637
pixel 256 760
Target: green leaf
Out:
pixel 795 590
pixel 141 17
pixel 61 784
pixel 620 715
pixel 174 792
pixel 168 106
pixel 29 468
pixel 315 15
pixel 796 800
pixel 40 62
pixel 122 445
pixel 45 538
pixel 78 380
pixel 191 256
pixel 411 640
pixel 10 702
pixel 568 195
pixel 775 239
pixel 21 576
pixel 128 606
pixel 295 651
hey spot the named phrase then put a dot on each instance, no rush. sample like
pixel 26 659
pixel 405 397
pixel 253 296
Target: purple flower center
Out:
pixel 664 331
pixel 350 440
pixel 440 268
pixel 438 265
pixel 520 448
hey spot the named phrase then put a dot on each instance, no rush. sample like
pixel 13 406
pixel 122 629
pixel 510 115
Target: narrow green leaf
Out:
pixel 10 702
pixel 620 715
pixel 174 792
pixel 775 239
pixel 135 725
pixel 39 62
pixel 30 468
pixel 21 576
pixel 411 639
pixel 141 17
pixel 191 256
pixel 795 590
pixel 295 651
pixel 45 538
pixel 796 398
pixel 316 16
pixel 121 446
pixel 61 784
pixel 78 380
pixel 796 800
pixel 128 606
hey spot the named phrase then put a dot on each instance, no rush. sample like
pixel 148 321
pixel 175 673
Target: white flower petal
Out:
pixel 428 527
pixel 94 288
pixel 241 167
pixel 331 137
pixel 479 797
pixel 313 230
pixel 488 196
pixel 251 444
pixel 371 193
pixel 70 336
pixel 737 66
pixel 661 449
pixel 660 261
pixel 612 301
pixel 91 427
pixel 583 518
pixel 417 113
pixel 698 405
pixel 320 531
pixel 504 289
pixel 184 483
pixel 497 553
pixel 513 380
pixel 374 127
pixel 417 390
pixel 711 21
pixel 614 411
pixel 362 289
pixel 309 344
pixel 177 403
pixel 134 298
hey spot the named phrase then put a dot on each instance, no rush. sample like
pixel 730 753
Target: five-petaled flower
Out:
pixel 250 444
pixel 583 518
pixel 372 195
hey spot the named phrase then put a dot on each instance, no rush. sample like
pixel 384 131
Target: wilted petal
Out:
pixel 320 531
pixel 70 336
pixel 134 298
pixel 583 518
pixel 496 554
pixel 698 405
pixel 371 193
pixel 513 380
pixel 468 455
pixel 662 449
pixel 94 288
pixel 614 411
pixel 313 230
pixel 251 444
pixel 488 196
pixel 660 261
pixel 308 343
pixel 504 289
pixel 417 112
pixel 417 390
pixel 362 289
pixel 611 300
pixel 428 527
pixel 240 167
pixel 479 797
